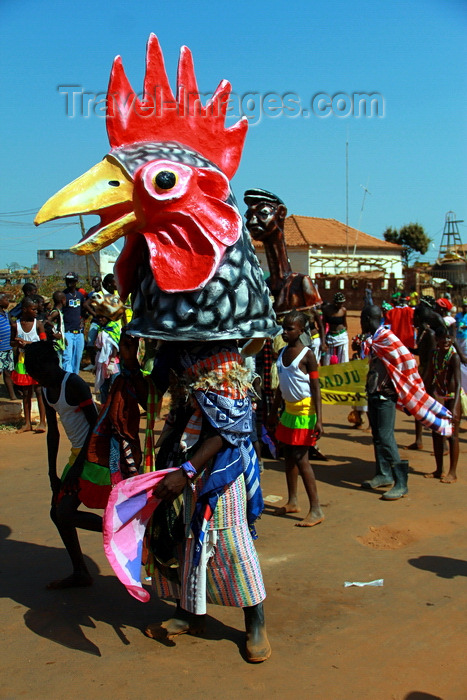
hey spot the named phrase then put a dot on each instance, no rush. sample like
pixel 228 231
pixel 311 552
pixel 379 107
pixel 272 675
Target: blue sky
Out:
pixel 412 158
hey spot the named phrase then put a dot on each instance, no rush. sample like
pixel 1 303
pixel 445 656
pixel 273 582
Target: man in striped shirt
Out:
pixel 6 352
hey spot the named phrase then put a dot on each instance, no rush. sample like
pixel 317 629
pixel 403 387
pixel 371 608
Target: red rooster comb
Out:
pixel 160 117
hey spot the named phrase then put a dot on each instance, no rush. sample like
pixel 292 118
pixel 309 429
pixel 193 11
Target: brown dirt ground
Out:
pixel 405 640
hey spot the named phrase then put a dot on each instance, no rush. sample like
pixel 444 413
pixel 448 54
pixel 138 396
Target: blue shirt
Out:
pixel 5 331
pixel 461 320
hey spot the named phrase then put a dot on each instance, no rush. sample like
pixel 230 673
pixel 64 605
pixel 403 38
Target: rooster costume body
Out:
pixel 196 284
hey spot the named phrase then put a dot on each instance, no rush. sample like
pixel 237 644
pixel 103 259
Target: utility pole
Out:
pixel 83 233
pixel 347 201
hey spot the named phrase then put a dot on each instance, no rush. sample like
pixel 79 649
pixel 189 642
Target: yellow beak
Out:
pixel 105 190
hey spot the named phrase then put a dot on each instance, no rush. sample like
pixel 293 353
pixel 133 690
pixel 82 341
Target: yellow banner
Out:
pixel 344 383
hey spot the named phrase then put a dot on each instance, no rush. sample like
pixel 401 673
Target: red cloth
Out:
pixel 400 318
pixel 444 303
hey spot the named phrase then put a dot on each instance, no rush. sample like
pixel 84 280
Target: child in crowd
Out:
pixel 443 382
pixel 93 329
pixel 300 424
pixel 54 325
pixel 6 351
pixel 41 306
pixel 26 330
pixel 67 395
pixel 28 289
pixel 107 362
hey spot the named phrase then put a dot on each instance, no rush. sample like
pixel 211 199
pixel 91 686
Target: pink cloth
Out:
pixel 131 504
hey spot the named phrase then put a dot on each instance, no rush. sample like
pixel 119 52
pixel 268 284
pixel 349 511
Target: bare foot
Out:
pixel 448 479
pixel 288 508
pixel 415 446
pixel 433 475
pixel 24 429
pixel 314 517
pixel 41 428
pixel 74 581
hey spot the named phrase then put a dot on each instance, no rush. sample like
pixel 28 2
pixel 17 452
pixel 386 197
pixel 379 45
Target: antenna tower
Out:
pixel 451 240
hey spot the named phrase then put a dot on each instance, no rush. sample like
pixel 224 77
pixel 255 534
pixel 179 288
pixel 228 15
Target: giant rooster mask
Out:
pixel 187 260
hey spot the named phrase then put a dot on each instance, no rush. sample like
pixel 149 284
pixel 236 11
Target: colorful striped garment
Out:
pixel 411 395
pixel 297 423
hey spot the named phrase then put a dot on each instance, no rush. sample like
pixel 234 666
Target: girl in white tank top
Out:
pixel 21 337
pixel 300 422
pixel 294 384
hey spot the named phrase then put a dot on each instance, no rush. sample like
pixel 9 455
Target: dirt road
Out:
pixel 405 640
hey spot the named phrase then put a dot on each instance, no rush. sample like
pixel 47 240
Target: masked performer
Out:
pixel 196 287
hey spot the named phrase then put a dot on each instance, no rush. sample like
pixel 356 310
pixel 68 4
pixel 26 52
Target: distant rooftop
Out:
pixel 329 233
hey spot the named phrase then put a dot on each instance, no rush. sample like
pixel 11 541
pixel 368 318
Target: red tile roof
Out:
pixel 329 233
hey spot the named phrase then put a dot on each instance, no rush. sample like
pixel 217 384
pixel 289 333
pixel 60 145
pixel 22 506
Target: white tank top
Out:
pixel 73 419
pixel 294 384
pixel 31 335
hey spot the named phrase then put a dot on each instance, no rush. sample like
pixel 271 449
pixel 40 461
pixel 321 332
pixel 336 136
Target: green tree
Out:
pixel 413 240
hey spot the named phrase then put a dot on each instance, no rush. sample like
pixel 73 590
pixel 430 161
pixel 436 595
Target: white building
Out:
pixel 326 246
pixel 59 262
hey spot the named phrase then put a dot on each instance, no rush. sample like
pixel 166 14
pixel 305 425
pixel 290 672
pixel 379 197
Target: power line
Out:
pixel 20 212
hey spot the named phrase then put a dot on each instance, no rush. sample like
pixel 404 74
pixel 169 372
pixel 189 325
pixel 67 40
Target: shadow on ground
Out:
pixel 348 473
pixel 62 615
pixel 445 567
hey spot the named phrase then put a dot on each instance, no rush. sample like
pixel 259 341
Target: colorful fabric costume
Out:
pixel 216 558
pixel 411 395
pixel 190 267
pixel 298 420
pixel 113 452
pixel 218 561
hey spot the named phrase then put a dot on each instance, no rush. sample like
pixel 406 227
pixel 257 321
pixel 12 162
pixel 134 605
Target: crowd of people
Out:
pixel 72 324
pixel 42 342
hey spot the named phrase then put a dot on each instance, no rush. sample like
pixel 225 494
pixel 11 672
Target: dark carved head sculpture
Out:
pixel 187 260
pixel 265 219
pixel 265 214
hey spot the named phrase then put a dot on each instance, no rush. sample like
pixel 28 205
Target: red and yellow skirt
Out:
pixel 297 423
pixel 94 482
pixel 19 375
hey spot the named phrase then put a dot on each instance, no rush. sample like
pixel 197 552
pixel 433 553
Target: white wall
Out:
pixel 301 260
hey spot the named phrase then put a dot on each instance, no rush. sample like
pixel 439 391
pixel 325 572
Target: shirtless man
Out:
pixel 443 382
